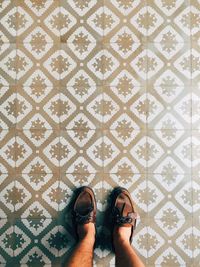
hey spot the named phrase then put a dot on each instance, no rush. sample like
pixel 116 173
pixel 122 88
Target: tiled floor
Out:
pixel 99 93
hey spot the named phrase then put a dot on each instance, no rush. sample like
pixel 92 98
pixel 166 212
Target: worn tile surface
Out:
pixel 99 93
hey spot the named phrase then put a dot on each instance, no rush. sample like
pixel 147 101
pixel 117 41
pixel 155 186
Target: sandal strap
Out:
pixel 83 219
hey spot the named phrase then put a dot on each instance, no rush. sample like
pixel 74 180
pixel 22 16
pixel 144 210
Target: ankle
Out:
pixel 86 232
pixel 121 235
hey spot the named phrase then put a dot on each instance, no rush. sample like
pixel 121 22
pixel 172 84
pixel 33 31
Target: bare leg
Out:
pixel 125 254
pixel 83 252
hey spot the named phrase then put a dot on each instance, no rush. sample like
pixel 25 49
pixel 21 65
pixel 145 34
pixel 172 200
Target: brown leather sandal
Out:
pixel 122 210
pixel 84 208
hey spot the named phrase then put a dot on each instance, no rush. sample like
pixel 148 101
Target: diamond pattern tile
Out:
pixel 105 94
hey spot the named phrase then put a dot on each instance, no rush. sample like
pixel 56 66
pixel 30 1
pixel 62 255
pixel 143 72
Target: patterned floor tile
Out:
pixel 176 143
pixel 122 153
pixel 9 65
pixel 8 145
pixel 20 103
pixel 81 151
pixel 195 105
pixel 124 104
pixel 90 19
pixel 135 64
pixel 167 199
pixel 40 31
pixel 42 242
pixel 88 59
pixel 9 21
pixel 30 144
pixel 7 242
pixel 82 107
pixel 104 94
pixel 163 249
pixel 169 107
pixel 161 14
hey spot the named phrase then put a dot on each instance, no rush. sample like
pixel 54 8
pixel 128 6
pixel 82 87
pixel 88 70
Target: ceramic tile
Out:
pixel 179 61
pixel 8 143
pixel 169 108
pixel 77 59
pixel 195 64
pixel 170 199
pixel 81 151
pixel 163 249
pixel 34 145
pixel 6 238
pixel 42 24
pixel 89 17
pixel 133 16
pixel 9 21
pixel 104 94
pixel 35 239
pixel 176 144
pixel 83 109
pixel 43 65
pixel 124 104
pixel 7 205
pixel 195 240
pixel 114 63
pixel 195 105
pixel 41 197
pixel 9 65
pixel 38 107
pixel 195 146
pixel 123 151
pixel 195 30
pixel 8 107
pixel 162 14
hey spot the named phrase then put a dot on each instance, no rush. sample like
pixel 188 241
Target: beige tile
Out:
pixel 84 58
pixel 195 146
pixel 163 14
pixel 102 94
pixel 179 63
pixel 169 199
pixel 31 144
pixel 124 104
pixel 169 107
pixel 162 249
pixel 8 157
pixel 9 65
pixel 193 18
pixel 81 151
pixel 168 145
pixel 114 63
pixel 38 108
pixel 126 155
pixel 195 105
pixel 132 15
pixel 45 64
pixel 89 15
pixel 8 106
pixel 33 203
pixel 9 21
pixel 32 18
pixel 82 107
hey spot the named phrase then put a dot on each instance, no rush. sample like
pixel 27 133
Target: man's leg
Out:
pixel 84 219
pixel 125 254
pixel 124 222
pixel 83 252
